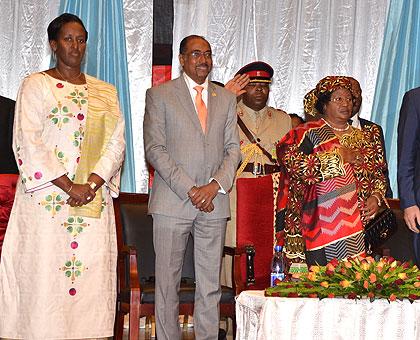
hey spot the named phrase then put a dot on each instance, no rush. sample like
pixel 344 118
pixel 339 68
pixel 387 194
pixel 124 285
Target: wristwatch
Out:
pixel 92 184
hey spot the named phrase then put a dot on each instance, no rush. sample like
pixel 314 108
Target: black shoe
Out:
pixel 222 334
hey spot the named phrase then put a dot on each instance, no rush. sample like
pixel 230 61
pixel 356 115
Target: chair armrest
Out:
pixel 237 252
pixel 131 253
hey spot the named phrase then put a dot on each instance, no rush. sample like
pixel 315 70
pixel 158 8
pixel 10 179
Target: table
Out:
pixel 271 318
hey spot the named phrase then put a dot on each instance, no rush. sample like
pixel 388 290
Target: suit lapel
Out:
pixel 211 105
pixel 186 102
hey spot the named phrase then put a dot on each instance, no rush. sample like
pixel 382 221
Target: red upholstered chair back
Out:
pixel 255 225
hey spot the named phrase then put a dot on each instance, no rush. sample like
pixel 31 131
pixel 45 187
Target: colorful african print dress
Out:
pixel 324 196
pixel 58 270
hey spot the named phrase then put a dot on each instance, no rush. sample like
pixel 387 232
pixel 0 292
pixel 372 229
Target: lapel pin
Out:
pixel 213 94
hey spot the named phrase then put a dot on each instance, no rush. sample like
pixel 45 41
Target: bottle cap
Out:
pixel 278 248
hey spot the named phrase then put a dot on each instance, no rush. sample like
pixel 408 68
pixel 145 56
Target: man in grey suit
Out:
pixel 195 160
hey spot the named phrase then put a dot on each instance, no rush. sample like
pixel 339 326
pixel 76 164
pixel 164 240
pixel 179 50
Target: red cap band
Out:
pixel 258 73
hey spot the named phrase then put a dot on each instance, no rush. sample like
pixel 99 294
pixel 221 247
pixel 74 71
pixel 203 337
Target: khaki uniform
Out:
pixel 267 126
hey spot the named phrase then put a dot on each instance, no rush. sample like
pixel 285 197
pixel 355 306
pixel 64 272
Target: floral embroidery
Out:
pixel 104 204
pixel 78 98
pixel 60 115
pixel 60 155
pixel 73 268
pixel 78 137
pixel 75 225
pixel 53 203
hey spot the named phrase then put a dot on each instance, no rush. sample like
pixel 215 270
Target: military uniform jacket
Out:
pixel 267 126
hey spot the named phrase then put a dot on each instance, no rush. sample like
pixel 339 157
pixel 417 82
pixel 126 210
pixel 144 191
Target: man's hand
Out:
pixel 202 197
pixel 237 84
pixel 412 218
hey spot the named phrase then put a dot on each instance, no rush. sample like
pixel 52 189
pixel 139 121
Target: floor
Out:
pixel 146 332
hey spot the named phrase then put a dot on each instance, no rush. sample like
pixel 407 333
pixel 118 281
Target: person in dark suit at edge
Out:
pixel 191 140
pixel 408 173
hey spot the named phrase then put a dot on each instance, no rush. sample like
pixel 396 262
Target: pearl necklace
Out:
pixel 335 128
pixel 68 80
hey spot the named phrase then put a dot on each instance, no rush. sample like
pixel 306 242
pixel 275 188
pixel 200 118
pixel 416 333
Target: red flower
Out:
pixel 334 262
pixel 331 295
pixel 379 286
pixel 399 282
pixel 307 285
pixel 293 295
pixel 313 295
pixel 329 272
pixel 352 296
pixel 392 297
pixel 413 297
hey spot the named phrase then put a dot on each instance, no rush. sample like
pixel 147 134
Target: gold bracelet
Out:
pixel 71 187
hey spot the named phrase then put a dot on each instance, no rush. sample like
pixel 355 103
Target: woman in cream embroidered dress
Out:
pixel 58 268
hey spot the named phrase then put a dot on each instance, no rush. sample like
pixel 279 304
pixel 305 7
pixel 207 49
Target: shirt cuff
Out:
pixel 221 190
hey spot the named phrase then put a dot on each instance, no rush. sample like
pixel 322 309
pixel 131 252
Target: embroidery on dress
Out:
pixel 53 203
pixel 60 115
pixel 77 97
pixel 78 136
pixel 75 225
pixel 73 268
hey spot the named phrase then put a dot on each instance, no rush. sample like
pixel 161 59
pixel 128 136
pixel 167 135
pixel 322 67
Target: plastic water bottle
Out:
pixel 278 266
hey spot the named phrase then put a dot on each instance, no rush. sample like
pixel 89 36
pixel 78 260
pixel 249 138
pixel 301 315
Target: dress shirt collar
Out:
pixel 355 121
pixel 191 84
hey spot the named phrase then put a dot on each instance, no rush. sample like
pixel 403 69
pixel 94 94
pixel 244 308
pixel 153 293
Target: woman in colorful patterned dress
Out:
pixel 58 268
pixel 335 177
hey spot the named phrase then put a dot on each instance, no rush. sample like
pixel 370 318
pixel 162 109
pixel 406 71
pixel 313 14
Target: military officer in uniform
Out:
pixel 260 128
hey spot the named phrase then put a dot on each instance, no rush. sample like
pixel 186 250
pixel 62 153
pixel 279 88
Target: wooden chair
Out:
pixel 136 267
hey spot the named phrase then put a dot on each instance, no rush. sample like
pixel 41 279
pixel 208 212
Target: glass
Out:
pixel 198 54
pixel 341 100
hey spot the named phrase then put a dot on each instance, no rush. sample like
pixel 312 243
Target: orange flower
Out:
pixel 402 276
pixel 392 297
pixel 330 267
pixel 324 284
pixel 347 264
pixel 366 284
pixel 313 295
pixel 372 278
pixel 344 283
pixel 331 295
pixel 314 269
pixel 386 276
pixel 312 276
pixel 358 276
pixel 417 284
pixel 371 295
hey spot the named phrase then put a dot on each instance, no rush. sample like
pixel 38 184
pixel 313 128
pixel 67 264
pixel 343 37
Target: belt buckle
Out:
pixel 257 169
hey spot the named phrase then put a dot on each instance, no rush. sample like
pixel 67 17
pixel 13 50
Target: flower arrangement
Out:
pixel 354 278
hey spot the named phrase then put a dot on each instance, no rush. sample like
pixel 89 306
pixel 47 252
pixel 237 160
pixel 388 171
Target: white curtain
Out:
pixel 24 45
pixel 24 49
pixel 138 17
pixel 303 40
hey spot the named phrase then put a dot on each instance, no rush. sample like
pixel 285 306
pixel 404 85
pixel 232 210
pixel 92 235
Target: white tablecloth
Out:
pixel 271 318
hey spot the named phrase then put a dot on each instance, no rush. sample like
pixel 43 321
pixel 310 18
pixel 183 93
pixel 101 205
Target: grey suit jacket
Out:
pixel 182 155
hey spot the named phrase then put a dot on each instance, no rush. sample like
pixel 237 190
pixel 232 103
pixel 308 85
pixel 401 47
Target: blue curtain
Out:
pixel 399 71
pixel 106 59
